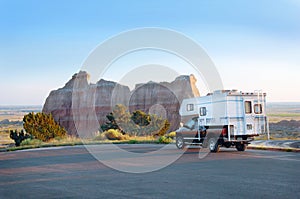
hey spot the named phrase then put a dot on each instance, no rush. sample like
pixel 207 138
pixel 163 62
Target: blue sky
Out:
pixel 254 44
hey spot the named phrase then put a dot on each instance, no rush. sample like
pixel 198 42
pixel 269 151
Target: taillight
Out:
pixel 224 131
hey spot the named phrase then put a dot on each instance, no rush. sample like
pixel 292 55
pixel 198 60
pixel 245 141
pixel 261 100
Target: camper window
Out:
pixel 190 107
pixel 249 126
pixel 202 111
pixel 248 108
pixel 257 108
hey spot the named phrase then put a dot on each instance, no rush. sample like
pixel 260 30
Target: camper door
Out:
pixel 255 119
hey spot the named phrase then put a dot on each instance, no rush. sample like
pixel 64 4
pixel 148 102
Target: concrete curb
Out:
pixel 267 148
pixel 273 148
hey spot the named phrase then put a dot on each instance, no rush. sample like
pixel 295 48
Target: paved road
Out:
pixel 71 172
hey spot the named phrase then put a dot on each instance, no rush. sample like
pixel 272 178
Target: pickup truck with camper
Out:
pixel 224 118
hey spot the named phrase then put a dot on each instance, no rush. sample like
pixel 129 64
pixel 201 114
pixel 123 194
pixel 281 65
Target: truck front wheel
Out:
pixel 180 142
pixel 213 145
pixel 241 147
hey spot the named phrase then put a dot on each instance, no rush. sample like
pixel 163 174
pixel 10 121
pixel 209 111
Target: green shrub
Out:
pixel 42 126
pixel 172 134
pixel 164 140
pixel 140 118
pixel 113 134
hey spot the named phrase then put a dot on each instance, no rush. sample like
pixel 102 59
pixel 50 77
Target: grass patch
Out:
pixel 284 114
pixel 34 142
pixel 164 140
pixel 72 141
pixel 132 142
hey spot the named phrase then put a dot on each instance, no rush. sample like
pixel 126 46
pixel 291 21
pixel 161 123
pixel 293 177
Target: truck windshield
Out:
pixel 191 124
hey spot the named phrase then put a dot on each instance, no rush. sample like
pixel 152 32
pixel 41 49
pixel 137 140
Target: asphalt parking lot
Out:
pixel 72 172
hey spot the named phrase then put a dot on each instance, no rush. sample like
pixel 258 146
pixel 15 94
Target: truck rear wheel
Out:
pixel 213 145
pixel 227 144
pixel 241 147
pixel 179 142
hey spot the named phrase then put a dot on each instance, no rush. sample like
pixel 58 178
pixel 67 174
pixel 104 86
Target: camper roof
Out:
pixel 235 92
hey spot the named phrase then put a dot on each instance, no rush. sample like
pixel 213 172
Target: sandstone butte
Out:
pixel 81 107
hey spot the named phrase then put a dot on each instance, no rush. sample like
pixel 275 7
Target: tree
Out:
pixel 18 137
pixel 118 119
pixel 140 118
pixel 42 126
pixel 138 123
pixel 164 127
pixel 111 124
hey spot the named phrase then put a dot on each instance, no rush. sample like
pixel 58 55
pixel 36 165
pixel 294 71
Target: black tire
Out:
pixel 213 145
pixel 227 144
pixel 179 142
pixel 241 147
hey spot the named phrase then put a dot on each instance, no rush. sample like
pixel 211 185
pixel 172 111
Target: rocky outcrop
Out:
pixel 164 98
pixel 81 107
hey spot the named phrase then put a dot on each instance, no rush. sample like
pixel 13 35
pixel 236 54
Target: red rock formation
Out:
pixel 167 95
pixel 81 107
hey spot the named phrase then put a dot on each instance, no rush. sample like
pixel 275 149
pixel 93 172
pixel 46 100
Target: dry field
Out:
pixel 13 114
pixel 283 111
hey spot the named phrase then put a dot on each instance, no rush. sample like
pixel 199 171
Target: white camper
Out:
pixel 223 118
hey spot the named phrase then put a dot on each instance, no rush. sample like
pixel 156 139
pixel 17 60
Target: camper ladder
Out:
pixel 261 100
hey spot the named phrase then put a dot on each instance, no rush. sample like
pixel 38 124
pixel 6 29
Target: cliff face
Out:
pixel 164 98
pixel 87 105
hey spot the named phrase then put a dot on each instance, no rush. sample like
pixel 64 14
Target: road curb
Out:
pixel 274 148
pixel 248 147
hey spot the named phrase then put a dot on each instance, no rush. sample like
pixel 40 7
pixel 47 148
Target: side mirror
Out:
pixel 202 128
